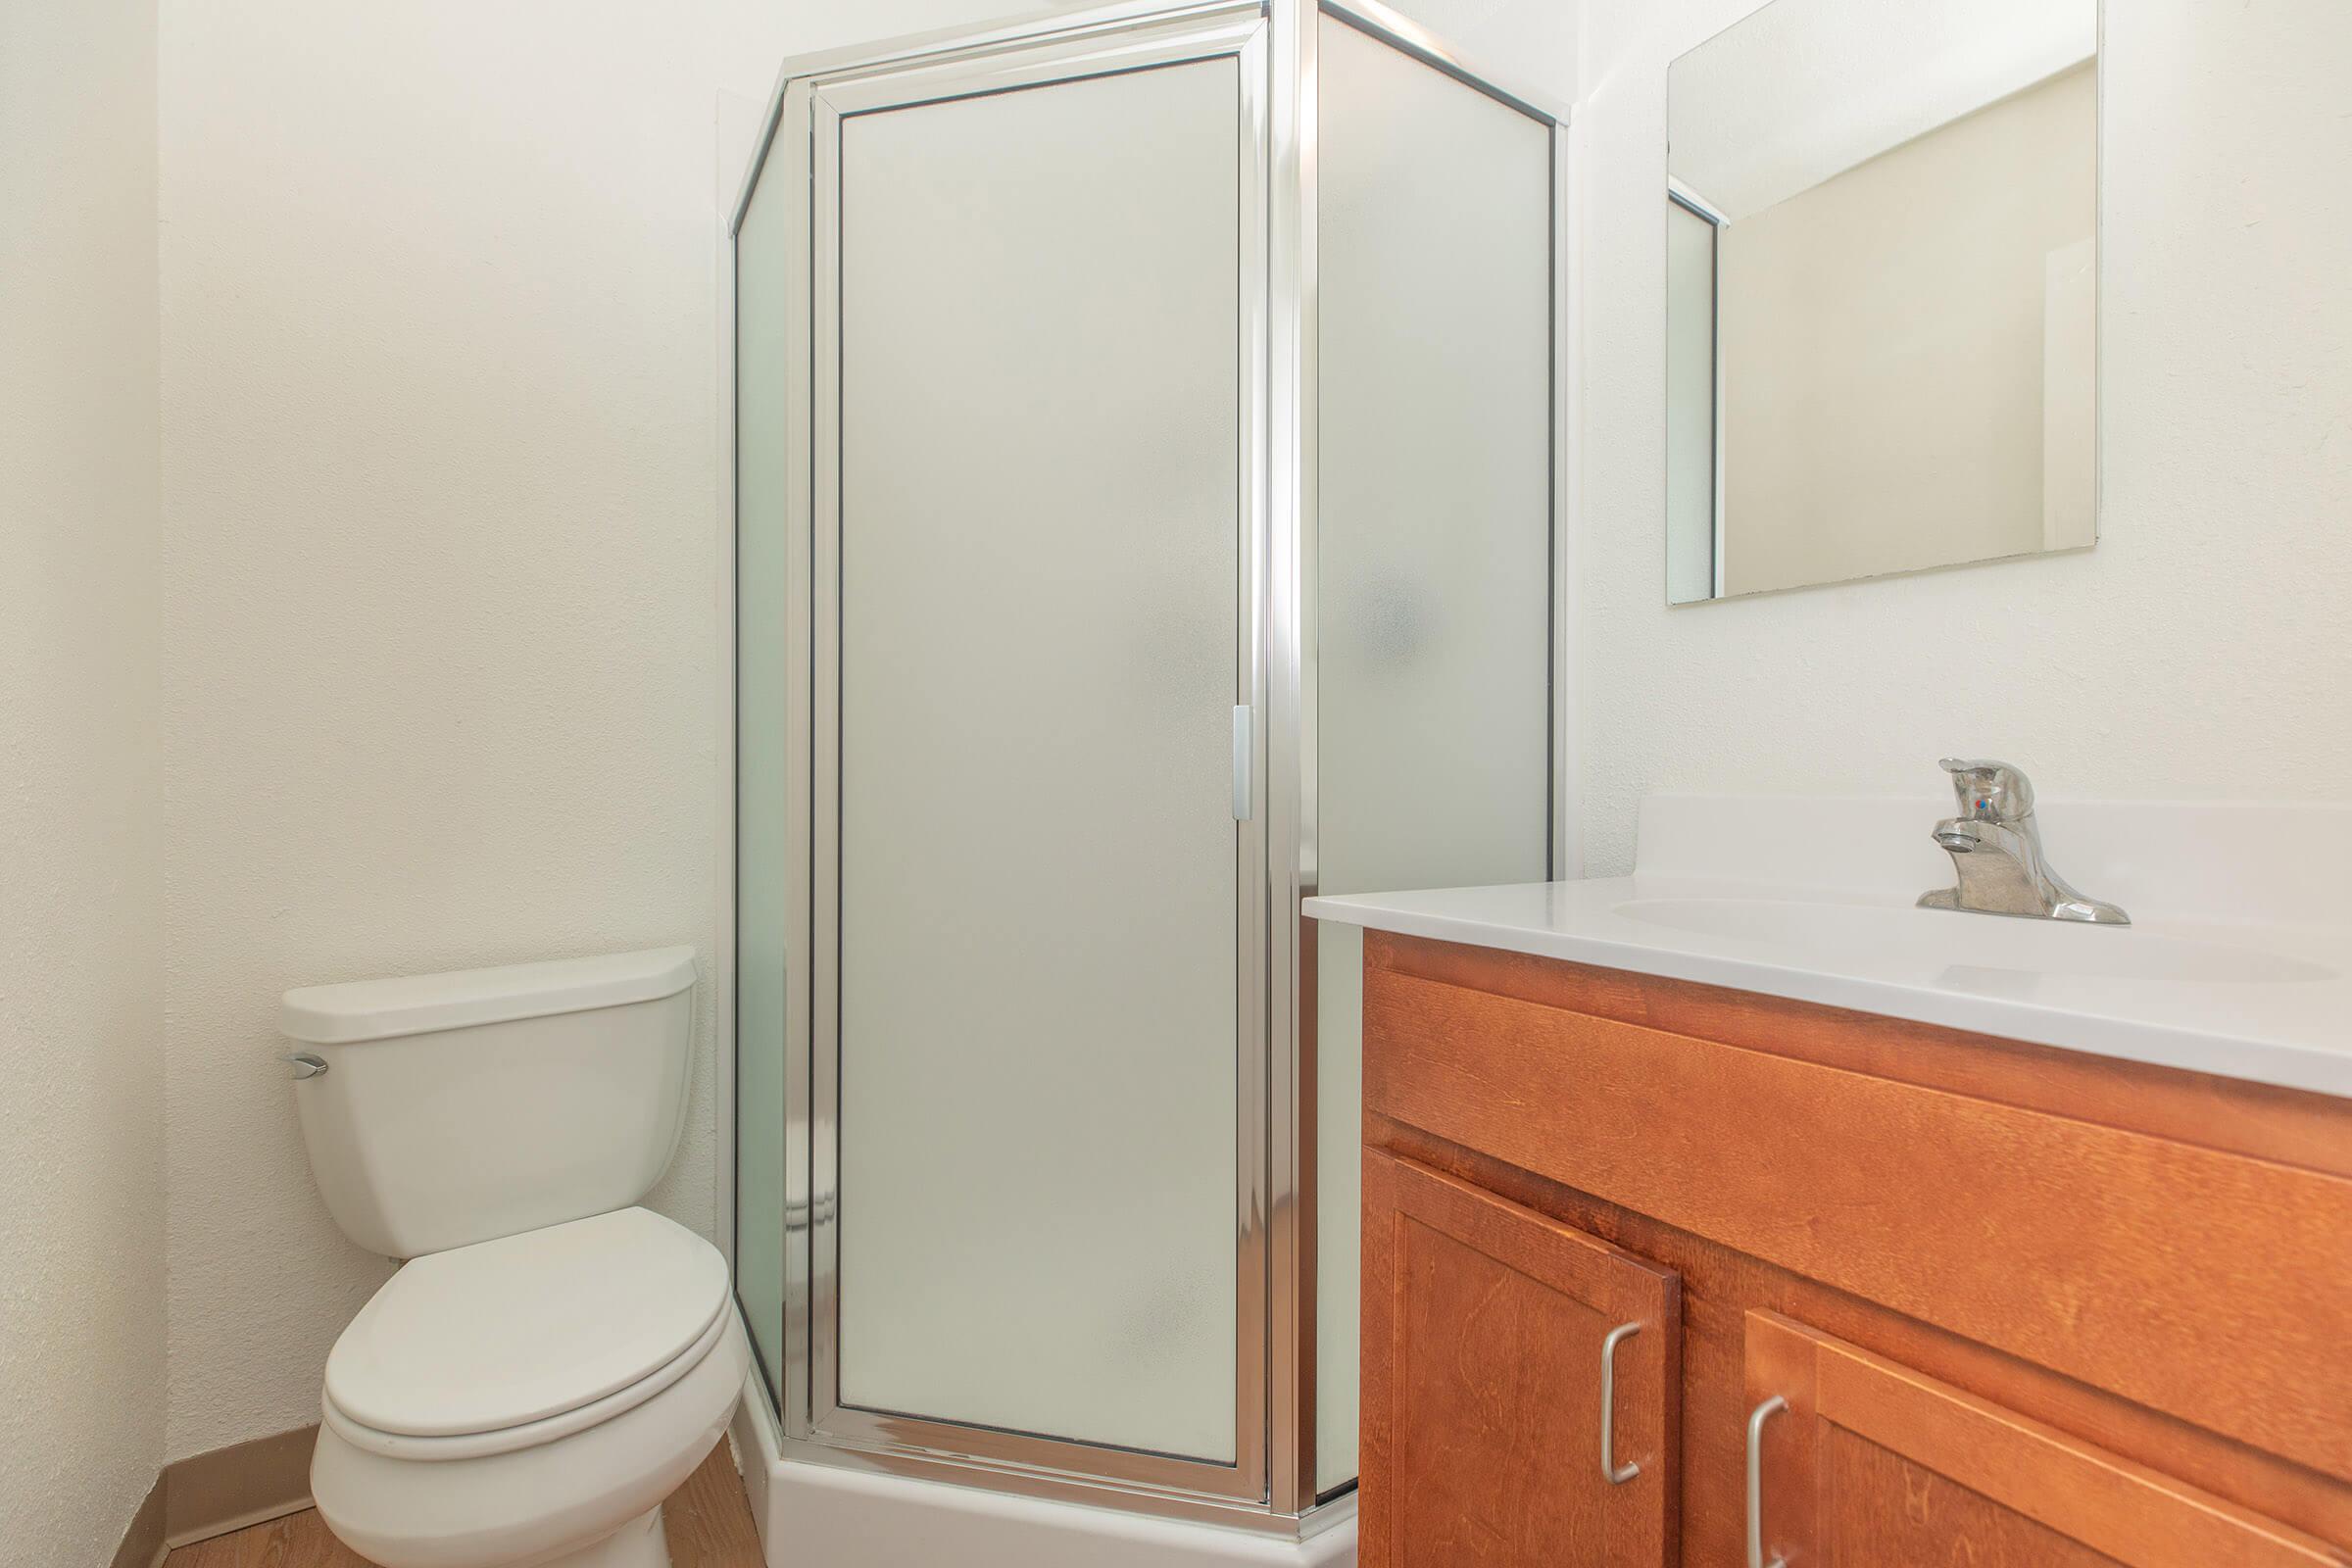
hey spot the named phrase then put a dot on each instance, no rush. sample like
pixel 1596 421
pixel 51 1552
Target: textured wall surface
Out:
pixel 442 575
pixel 2197 653
pixel 81 1191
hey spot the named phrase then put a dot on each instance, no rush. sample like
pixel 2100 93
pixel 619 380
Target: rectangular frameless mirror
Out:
pixel 1881 291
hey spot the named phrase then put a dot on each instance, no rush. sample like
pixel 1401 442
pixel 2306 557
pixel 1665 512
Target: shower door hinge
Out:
pixel 1244 783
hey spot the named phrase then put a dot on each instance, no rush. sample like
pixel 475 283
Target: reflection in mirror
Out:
pixel 1881 291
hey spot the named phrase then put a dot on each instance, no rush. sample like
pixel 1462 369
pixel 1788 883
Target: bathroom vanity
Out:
pixel 1707 1224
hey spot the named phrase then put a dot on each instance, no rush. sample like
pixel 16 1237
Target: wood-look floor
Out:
pixel 708 1520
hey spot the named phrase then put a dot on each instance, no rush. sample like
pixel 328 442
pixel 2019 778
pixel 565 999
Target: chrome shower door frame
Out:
pixel 814 104
pixel 1293 1406
pixel 1271 1486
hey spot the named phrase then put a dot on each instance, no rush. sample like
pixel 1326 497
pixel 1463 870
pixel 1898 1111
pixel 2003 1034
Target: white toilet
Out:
pixel 550 1362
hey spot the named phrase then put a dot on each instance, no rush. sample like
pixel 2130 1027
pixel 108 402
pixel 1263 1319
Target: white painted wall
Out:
pixel 81 1195
pixel 442 575
pixel 2200 650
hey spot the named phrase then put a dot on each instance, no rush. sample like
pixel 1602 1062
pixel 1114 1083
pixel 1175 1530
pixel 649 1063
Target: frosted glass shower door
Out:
pixel 1034 567
pixel 1434 571
pixel 772 766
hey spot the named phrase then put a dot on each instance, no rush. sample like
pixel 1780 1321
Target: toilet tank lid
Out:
pixel 384 1009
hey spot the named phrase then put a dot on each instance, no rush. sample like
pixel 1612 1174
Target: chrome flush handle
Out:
pixel 306 1065
pixel 1615 1474
pixel 1755 1484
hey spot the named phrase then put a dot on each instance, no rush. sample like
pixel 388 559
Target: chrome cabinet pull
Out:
pixel 1615 1474
pixel 1755 1483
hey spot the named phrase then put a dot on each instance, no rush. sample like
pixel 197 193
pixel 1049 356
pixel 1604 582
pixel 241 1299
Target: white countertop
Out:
pixel 2231 966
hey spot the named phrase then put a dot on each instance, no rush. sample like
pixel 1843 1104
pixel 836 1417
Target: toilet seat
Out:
pixel 616 1343
pixel 549 1504
pixel 527 1434
pixel 493 1340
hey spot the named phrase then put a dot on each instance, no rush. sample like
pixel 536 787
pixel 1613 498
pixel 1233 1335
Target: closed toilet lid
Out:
pixel 500 1333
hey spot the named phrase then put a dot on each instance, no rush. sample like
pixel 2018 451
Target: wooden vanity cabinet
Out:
pixel 2020 1305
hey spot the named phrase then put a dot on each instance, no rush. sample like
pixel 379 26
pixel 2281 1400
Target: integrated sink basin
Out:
pixel 2237 964
pixel 1842 931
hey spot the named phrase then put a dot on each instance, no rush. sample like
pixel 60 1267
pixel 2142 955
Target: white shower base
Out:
pixel 822 1516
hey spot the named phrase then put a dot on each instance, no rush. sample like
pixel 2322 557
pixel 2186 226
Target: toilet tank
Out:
pixel 461 1107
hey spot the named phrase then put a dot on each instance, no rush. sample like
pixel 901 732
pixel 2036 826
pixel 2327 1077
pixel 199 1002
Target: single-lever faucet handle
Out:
pixel 1996 846
pixel 1990 791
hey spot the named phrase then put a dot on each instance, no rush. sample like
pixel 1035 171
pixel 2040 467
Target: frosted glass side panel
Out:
pixel 1435 537
pixel 1040 582
pixel 1691 405
pixel 763 720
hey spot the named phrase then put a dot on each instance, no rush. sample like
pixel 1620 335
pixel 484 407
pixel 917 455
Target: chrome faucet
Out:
pixel 1996 846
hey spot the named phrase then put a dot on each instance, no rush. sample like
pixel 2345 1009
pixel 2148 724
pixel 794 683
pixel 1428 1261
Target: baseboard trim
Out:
pixel 143 1544
pixel 208 1494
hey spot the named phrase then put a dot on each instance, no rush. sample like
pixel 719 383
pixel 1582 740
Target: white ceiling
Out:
pixel 1804 89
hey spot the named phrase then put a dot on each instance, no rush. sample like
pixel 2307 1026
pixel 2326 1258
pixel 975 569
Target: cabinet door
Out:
pixel 1492 1336
pixel 1869 1464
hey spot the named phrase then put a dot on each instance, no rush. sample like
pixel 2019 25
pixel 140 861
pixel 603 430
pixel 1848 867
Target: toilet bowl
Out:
pixel 530 1401
pixel 550 1362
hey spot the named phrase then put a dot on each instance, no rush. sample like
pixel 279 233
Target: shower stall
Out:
pixel 1146 481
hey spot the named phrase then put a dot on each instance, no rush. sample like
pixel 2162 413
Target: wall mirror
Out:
pixel 1881 291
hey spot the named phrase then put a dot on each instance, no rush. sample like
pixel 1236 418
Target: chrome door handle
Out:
pixel 1245 781
pixel 1755 1483
pixel 1615 1474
